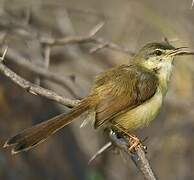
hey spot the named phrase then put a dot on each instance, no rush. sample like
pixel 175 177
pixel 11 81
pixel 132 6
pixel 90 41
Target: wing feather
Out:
pixel 117 92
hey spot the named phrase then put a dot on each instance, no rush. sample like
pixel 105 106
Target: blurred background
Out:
pixel 128 23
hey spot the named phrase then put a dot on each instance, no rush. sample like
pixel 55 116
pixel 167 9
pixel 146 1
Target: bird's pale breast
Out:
pixel 142 115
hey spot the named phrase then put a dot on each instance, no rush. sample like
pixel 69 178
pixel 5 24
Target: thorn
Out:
pixel 100 151
pixel 4 53
pixel 13 152
pixel 32 92
pixel 28 89
pixel 5 145
pixel 96 29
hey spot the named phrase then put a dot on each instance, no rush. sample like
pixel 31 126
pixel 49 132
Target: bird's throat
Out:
pixel 164 77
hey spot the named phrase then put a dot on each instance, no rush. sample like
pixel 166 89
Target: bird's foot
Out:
pixel 134 141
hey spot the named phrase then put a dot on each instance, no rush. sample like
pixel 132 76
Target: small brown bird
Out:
pixel 123 98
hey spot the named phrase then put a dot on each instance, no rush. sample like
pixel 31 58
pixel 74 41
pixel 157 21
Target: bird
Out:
pixel 123 98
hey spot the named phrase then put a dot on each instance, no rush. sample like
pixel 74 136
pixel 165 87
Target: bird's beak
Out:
pixel 180 51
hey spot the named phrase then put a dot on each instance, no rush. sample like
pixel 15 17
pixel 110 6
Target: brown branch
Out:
pixel 35 89
pixel 138 156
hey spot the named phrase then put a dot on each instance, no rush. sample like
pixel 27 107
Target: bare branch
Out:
pixel 35 89
pixel 43 72
pixel 138 157
pixel 105 44
pixel 101 43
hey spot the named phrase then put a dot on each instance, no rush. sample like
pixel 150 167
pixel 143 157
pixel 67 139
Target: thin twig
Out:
pixel 138 156
pixel 102 44
pixel 4 53
pixel 96 29
pixel 72 39
pixel 100 151
pixel 98 47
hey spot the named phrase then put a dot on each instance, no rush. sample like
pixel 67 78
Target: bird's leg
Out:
pixel 135 142
pixel 134 139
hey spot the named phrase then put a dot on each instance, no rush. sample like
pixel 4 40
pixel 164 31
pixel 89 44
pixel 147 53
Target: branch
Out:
pixel 85 39
pixel 90 38
pixel 43 72
pixel 35 89
pixel 138 156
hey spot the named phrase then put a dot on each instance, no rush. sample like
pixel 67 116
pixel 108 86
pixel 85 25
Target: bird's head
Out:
pixel 158 57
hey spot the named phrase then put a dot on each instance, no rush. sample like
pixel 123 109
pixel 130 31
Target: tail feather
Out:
pixel 38 133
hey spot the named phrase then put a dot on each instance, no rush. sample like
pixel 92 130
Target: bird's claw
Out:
pixel 136 142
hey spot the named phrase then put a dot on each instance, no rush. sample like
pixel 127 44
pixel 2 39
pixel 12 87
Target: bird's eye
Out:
pixel 158 52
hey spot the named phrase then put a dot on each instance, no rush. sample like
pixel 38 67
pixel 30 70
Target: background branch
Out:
pixel 35 89
pixel 90 38
pixel 60 79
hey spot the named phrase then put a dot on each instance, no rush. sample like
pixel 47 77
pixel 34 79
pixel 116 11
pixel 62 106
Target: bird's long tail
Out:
pixel 38 133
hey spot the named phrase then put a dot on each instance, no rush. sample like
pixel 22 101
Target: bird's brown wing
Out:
pixel 122 88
